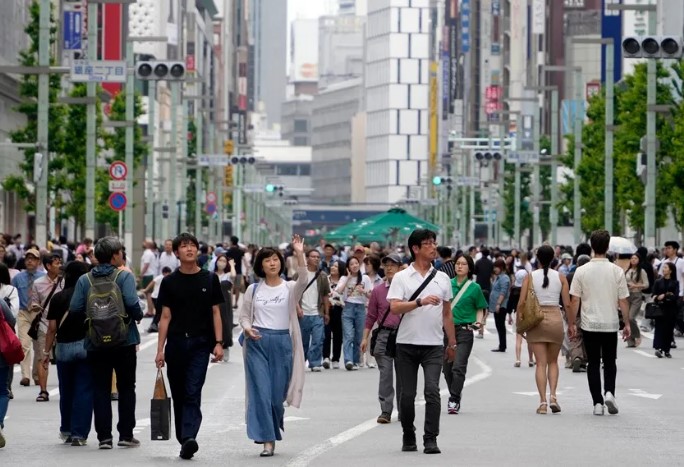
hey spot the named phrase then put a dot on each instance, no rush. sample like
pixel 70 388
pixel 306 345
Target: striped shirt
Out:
pixel 448 268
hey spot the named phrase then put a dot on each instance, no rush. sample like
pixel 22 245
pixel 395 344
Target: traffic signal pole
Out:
pixel 130 117
pixel 650 198
pixel 172 180
pixel 43 122
pixel 91 126
pixel 149 183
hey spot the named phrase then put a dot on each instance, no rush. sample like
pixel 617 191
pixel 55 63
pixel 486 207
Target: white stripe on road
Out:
pixel 645 354
pixel 305 457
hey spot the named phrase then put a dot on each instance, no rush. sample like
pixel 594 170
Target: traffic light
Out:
pixel 228 176
pixel 228 147
pixel 437 180
pixel 246 159
pixel 488 155
pixel 652 47
pixel 479 155
pixel 275 189
pixel 157 71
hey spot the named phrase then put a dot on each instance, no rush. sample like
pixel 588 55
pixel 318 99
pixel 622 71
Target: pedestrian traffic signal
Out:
pixel 157 71
pixel 270 188
pixel 652 47
pixel 246 159
pixel 479 155
pixel 275 189
pixel 436 181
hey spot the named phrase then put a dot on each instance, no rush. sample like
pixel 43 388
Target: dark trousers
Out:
pixel 601 346
pixel 455 372
pixel 500 321
pixel 409 358
pixel 187 360
pixel 157 311
pixel 123 360
pixel 663 334
pixel 333 334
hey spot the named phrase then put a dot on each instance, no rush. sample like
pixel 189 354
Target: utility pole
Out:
pixel 198 173
pixel 650 199
pixel 43 117
pixel 173 160
pixel 91 126
pixel 129 136
pixel 553 211
pixel 149 183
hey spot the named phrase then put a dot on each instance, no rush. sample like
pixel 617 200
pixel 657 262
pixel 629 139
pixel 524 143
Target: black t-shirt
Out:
pixel 484 268
pixel 73 328
pixel 235 253
pixel 191 298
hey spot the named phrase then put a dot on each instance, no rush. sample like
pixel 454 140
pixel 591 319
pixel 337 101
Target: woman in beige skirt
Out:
pixel 547 337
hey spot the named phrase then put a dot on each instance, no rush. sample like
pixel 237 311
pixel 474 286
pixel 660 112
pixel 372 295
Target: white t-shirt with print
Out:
pixel 348 289
pixel 310 297
pixel 271 306
pixel 422 326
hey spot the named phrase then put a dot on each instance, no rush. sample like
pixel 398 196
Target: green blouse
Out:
pixel 465 311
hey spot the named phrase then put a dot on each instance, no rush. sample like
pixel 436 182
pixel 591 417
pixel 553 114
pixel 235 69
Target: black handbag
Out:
pixel 391 347
pixel 654 311
pixel 375 332
pixel 35 324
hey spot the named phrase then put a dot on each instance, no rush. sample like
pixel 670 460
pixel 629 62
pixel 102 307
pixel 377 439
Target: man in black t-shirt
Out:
pixel 236 254
pixel 191 327
pixel 484 269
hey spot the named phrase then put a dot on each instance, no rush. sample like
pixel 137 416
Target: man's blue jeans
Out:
pixel 75 389
pixel 4 394
pixel 353 321
pixel 313 329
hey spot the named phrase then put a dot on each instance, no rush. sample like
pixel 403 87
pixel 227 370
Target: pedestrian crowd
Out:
pixel 318 309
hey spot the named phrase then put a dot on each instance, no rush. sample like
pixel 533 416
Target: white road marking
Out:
pixel 645 354
pixel 529 393
pixel 141 425
pixel 305 457
pixel 644 394
pixel 294 419
pixel 647 334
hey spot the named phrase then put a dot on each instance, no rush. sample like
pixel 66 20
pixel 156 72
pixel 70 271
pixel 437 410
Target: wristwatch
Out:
pixel 219 343
pixel 418 302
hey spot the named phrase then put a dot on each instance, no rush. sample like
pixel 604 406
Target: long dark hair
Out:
pixel 359 276
pixel 637 267
pixel 341 267
pixel 545 255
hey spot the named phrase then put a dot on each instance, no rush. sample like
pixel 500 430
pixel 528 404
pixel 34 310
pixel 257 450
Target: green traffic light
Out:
pixel 270 188
pixel 436 180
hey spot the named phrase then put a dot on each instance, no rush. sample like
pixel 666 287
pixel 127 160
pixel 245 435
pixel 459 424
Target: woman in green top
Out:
pixel 467 303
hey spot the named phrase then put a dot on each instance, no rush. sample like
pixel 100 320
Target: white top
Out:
pixel 157 283
pixel 520 277
pixel 168 260
pixel 422 326
pixel 310 297
pixel 271 307
pixel 148 257
pixel 551 294
pixel 599 284
pixel 376 281
pixel 679 264
pixel 7 290
pixel 348 289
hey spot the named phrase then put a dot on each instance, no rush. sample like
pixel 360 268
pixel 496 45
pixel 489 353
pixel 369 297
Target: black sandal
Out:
pixel 43 396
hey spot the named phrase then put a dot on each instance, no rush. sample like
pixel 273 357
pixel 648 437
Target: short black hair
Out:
pixel 184 238
pixel 312 250
pixel 485 252
pixel 10 260
pixel 417 237
pixel 72 271
pixel 444 252
pixel 600 240
pixel 47 259
pixel 264 253
pixel 673 244
pixel 328 245
pixel 166 270
pixel 106 248
pixel 374 261
pixel 4 274
pixel 583 249
pixel 234 240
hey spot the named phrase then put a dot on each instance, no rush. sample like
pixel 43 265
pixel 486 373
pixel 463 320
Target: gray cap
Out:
pixel 582 260
pixel 395 258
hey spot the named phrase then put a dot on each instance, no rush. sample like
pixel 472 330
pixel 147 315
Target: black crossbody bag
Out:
pixel 391 348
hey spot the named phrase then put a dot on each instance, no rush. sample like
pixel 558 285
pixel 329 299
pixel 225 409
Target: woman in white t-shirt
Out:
pixel 8 292
pixel 355 289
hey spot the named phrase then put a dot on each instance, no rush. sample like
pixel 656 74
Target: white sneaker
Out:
pixel 609 400
pixel 336 365
pixel 371 365
pixel 317 369
pixel 2 439
pixel 326 363
pixel 354 367
pixel 598 409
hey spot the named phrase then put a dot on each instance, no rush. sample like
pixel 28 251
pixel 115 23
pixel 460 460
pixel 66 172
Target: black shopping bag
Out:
pixel 160 410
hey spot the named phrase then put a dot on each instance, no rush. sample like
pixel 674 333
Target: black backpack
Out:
pixel 106 315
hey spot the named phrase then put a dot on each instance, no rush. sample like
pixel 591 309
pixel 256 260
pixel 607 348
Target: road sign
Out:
pixel 210 208
pixel 98 71
pixel 468 181
pixel 211 198
pixel 118 170
pixel 117 186
pixel 213 160
pixel 118 201
pixel 72 30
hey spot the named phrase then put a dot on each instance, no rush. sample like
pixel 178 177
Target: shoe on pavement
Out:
pixel 79 442
pixel 153 328
pixel 498 350
pixel 10 394
pixel 453 407
pixel 115 396
pixel 673 345
pixel 128 443
pixel 609 400
pixel 479 336
pixel 430 447
pixel 385 418
pixel 371 365
pixel 659 353
pixel 2 439
pixel 349 366
pixel 668 355
pixel 188 448
pixel 409 442
pixel 576 365
pixel 598 409
pixel 65 437
pixel 326 363
pixel 355 367
pixel 317 369
pixel 336 365
pixel 106 444
pixel 25 382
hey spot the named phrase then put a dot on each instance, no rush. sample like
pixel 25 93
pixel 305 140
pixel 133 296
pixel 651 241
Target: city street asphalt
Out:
pixel 336 424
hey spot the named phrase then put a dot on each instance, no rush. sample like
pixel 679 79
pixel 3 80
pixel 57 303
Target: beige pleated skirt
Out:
pixel 550 329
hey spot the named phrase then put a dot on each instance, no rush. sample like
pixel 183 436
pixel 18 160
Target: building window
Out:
pixel 301 126
pixel 300 141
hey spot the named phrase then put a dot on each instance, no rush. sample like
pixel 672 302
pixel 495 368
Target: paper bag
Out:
pixel 160 410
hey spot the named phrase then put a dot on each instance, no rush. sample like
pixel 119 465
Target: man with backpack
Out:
pixel 107 298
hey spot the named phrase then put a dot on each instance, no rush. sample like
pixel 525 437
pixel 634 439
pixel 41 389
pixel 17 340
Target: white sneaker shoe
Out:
pixel 336 365
pixel 609 400
pixel 326 363
pixel 317 369
pixel 598 409
pixel 2 439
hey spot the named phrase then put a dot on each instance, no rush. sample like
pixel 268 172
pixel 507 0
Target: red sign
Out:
pixel 118 170
pixel 493 93
pixel 190 63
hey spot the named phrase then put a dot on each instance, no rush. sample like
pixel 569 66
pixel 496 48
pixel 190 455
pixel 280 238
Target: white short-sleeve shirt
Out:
pixel 599 284
pixel 422 326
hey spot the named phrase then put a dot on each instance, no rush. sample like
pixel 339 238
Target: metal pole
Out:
pixel 553 211
pixel 536 238
pixel 462 223
pixel 43 121
pixel 608 213
pixel 577 205
pixel 199 175
pixel 130 117
pixel 650 218
pixel 172 181
pixel 516 205
pixel 91 130
pixel 237 200
pixel 185 108
pixel 149 188
pixel 212 180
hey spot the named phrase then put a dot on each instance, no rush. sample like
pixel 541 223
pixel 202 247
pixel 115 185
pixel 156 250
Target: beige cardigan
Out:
pixel 296 388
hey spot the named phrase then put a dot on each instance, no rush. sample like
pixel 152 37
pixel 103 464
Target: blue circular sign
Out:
pixel 211 208
pixel 118 201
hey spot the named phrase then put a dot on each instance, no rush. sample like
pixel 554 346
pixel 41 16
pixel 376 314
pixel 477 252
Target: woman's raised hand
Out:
pixel 298 244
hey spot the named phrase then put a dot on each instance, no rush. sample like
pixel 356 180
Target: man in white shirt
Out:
pixel 313 311
pixel 420 339
pixel 671 249
pixel 148 270
pixel 167 258
pixel 600 286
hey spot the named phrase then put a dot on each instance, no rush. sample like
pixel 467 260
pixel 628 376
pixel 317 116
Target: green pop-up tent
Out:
pixel 392 227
